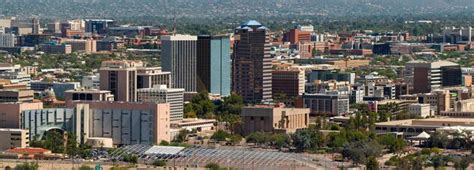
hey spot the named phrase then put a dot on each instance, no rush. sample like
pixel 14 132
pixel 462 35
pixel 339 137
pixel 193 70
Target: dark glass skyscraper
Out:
pixel 252 63
pixel 213 64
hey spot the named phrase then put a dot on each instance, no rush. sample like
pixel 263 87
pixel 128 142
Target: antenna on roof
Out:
pixel 174 24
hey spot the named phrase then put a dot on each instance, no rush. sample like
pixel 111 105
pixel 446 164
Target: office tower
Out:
pixel 148 77
pixel 7 40
pixel 51 48
pixel 295 36
pixel 252 63
pixel 119 77
pixel 123 78
pixel 326 75
pixel 54 27
pixel 423 77
pixel 288 82
pixel 213 64
pixel 327 104
pixel 161 94
pixel 178 55
pixel 98 26
pixel 35 27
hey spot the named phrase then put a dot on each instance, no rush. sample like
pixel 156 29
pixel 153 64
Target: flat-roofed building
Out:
pixel 214 64
pixel 56 48
pixel 13 138
pixel 424 77
pixel 161 94
pixel 265 118
pixel 148 77
pixel 123 78
pixel 440 100
pixel 179 56
pixel 87 45
pixel 326 104
pixel 87 95
pixel 421 110
pixel 91 81
pixel 289 82
pixel 125 122
pixel 413 127
pixel 58 87
pixel 10 113
pixel 16 96
pixel 120 78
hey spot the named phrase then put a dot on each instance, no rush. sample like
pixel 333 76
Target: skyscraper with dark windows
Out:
pixel 213 64
pixel 178 56
pixel 252 63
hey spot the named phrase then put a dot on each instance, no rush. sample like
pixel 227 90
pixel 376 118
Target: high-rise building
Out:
pixel 120 78
pixel 327 104
pixel 98 26
pixel 161 94
pixel 178 56
pixel 252 63
pixel 213 65
pixel 91 81
pixel 147 77
pixel 35 26
pixel 423 77
pixel 7 40
pixel 294 36
pixel 289 82
pixel 123 78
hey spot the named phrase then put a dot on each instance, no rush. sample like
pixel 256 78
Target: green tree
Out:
pixel 85 167
pixel 27 166
pixel 164 143
pixel 213 166
pixel 305 139
pixel 51 140
pixel 159 163
pixel 220 135
pixel 360 151
pixel 256 137
pixel 232 104
pixel 182 135
pixel 438 161
pixel 132 158
pixel 439 139
pixel 202 105
pixel 461 163
pixel 372 164
pixel 71 145
pixel 417 163
pixel 391 142
pixel 281 140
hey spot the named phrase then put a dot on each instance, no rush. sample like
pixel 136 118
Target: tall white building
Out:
pixel 178 55
pixel 161 94
pixel 91 81
pixel 7 40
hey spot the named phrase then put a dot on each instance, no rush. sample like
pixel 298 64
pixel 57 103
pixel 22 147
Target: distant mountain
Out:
pixel 209 9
